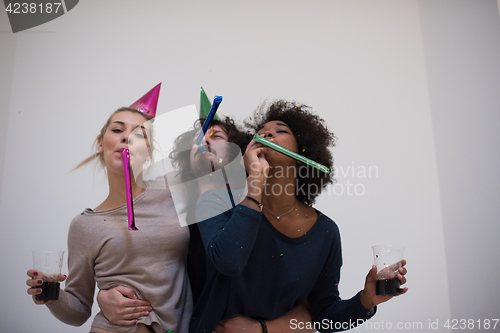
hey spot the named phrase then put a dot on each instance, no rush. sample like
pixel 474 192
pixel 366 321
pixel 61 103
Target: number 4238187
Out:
pixel 33 8
pixel 462 324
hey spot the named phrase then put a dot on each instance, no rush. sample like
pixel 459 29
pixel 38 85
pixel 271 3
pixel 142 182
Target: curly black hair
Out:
pixel 180 154
pixel 313 139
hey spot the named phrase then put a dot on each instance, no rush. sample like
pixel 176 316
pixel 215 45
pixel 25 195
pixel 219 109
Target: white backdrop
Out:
pixel 410 88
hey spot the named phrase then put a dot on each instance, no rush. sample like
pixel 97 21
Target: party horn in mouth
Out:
pixel 257 138
pixel 128 190
pixel 208 120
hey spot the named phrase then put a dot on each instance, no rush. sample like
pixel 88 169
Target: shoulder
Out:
pixel 327 227
pixel 82 217
pixel 326 222
pixel 159 182
pixel 81 227
pixel 216 202
pixel 81 221
pixel 87 221
pixel 211 204
pixel 219 198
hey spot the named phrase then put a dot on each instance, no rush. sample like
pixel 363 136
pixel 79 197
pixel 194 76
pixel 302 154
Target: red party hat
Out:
pixel 147 103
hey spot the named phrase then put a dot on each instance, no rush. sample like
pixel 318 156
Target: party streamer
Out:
pixel 211 115
pixel 128 190
pixel 259 139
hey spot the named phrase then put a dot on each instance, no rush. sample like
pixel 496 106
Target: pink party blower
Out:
pixel 128 190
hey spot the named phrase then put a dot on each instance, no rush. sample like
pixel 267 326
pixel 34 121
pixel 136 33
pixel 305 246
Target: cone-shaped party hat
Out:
pixel 205 105
pixel 147 104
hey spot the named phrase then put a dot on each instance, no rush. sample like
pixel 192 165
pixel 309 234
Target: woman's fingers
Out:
pixel 133 315
pixel 249 146
pixel 39 302
pixel 34 291
pixel 127 292
pixel 37 275
pixel 402 291
pixel 398 264
pixel 138 311
pixel 34 274
pixel 34 282
pixel 256 147
pixel 61 277
pixel 255 162
pixel 34 285
pixel 402 278
pixel 402 272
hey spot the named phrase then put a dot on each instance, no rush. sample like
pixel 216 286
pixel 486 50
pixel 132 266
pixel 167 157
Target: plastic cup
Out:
pixel 49 263
pixel 388 259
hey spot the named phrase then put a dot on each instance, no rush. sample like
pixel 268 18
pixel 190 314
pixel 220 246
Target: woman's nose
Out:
pixel 268 134
pixel 127 138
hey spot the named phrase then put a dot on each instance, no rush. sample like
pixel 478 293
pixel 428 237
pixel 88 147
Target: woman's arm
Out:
pixel 75 302
pixel 294 320
pixel 328 310
pixel 228 234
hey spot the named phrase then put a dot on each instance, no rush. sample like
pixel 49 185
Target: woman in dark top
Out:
pixel 273 250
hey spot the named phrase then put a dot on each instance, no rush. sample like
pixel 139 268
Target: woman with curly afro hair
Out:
pixel 274 251
pixel 313 139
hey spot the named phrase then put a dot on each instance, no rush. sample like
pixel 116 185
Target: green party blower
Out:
pixel 257 138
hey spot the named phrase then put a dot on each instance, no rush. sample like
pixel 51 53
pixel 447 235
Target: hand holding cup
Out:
pixel 46 276
pixel 388 259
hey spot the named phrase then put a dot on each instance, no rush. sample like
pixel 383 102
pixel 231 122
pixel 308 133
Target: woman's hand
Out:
pixel 257 168
pixel 238 324
pixel 369 297
pixel 35 281
pixel 121 306
pixel 242 324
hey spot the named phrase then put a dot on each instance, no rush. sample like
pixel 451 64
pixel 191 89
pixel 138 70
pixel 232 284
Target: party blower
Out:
pixel 147 105
pixel 259 139
pixel 128 190
pixel 208 120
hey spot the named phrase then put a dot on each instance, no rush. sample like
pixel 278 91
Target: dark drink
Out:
pixel 50 291
pixel 388 286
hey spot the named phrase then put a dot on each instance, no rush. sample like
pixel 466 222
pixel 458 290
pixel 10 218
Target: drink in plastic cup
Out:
pixel 49 263
pixel 388 260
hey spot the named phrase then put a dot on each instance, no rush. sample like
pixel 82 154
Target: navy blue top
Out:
pixel 254 270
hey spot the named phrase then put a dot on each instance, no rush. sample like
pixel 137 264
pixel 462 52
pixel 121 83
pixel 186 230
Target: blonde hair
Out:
pixel 100 155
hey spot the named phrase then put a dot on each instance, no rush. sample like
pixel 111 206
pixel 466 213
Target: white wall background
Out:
pixel 410 88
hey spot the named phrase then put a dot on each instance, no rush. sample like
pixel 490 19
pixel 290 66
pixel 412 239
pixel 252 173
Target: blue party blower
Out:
pixel 208 120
